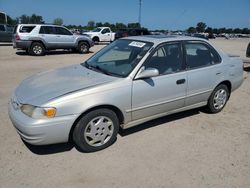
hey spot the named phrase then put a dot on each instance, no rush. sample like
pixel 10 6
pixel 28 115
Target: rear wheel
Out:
pixel 218 99
pixel 83 48
pixel 96 130
pixel 37 49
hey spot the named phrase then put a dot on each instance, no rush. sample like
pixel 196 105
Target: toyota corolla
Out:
pixel 130 81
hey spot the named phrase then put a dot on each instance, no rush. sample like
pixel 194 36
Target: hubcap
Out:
pixel 83 48
pixel 220 99
pixel 99 131
pixel 37 49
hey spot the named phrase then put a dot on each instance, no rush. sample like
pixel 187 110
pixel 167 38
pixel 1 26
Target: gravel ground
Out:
pixel 189 149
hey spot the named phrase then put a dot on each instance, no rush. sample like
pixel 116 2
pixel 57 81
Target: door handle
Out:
pixel 181 81
pixel 58 35
pixel 218 73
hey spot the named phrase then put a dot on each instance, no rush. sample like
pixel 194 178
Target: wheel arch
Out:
pixel 228 84
pixel 39 41
pixel 115 109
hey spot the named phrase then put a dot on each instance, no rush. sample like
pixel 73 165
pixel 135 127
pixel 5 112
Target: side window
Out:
pixel 47 30
pixel 167 59
pixel 62 31
pixel 2 28
pixel 200 55
pixel 105 31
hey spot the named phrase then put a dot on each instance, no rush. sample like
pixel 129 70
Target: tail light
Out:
pixel 18 37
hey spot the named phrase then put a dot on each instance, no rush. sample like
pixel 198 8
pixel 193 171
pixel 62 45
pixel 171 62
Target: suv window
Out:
pixel 26 29
pixel 62 31
pixel 2 28
pixel 166 59
pixel 200 55
pixel 47 30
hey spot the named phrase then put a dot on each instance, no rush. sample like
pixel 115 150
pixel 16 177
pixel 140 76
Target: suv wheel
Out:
pixel 37 49
pixel 218 99
pixel 96 130
pixel 83 48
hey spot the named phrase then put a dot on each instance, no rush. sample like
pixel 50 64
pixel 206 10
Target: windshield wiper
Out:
pixel 98 68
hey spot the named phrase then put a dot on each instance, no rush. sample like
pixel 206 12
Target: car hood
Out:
pixel 43 87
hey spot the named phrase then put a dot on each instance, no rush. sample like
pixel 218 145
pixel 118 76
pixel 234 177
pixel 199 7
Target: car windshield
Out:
pixel 97 29
pixel 119 58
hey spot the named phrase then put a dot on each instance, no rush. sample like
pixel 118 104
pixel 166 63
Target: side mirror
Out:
pixel 147 73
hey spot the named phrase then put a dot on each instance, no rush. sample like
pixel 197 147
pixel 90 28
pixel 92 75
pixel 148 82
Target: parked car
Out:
pixel 203 36
pixel 131 32
pixel 248 50
pixel 131 81
pixel 101 34
pixel 36 39
pixel 6 33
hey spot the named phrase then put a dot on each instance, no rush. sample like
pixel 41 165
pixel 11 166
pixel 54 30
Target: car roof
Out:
pixel 157 39
pixel 40 25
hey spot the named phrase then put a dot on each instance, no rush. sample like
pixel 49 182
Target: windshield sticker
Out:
pixel 137 44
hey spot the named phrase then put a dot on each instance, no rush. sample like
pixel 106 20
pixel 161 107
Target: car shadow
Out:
pixel 160 121
pixel 48 53
pixel 247 66
pixel 49 149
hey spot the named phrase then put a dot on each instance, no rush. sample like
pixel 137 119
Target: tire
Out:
pixel 248 50
pixel 218 99
pixel 83 48
pixel 37 49
pixel 96 130
pixel 96 40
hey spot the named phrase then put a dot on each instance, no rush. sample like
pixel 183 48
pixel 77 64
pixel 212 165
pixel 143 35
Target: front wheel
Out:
pixel 96 130
pixel 218 99
pixel 83 48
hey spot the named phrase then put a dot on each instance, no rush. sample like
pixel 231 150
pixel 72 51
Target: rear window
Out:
pixel 26 29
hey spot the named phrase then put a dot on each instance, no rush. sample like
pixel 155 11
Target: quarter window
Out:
pixel 26 29
pixel 200 55
pixel 166 59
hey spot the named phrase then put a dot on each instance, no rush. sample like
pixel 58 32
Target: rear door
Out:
pixel 203 70
pixel 48 34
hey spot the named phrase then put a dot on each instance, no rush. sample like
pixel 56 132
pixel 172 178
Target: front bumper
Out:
pixel 41 131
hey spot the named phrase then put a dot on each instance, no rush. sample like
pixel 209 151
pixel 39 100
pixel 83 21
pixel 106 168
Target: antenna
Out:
pixel 139 18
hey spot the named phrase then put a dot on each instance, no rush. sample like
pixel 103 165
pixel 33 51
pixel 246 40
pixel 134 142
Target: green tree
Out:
pixel 245 31
pixel 209 30
pixel 191 30
pixel 24 19
pixel 33 19
pixel 134 25
pixel 120 26
pixel 200 27
pixel 58 21
pixel 98 24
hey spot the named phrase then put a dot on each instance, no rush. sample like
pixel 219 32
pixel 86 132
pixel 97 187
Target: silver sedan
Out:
pixel 130 81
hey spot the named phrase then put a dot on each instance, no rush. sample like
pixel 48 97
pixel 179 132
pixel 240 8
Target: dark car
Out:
pixel 248 50
pixel 131 32
pixel 6 33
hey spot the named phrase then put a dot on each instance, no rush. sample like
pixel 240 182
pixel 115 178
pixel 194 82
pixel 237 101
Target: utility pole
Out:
pixel 139 18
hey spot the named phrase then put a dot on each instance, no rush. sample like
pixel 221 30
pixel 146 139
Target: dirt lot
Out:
pixel 190 149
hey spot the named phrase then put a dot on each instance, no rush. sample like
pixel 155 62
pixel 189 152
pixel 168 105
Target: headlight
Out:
pixel 38 112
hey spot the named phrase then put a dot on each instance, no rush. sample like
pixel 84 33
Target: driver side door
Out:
pixel 163 93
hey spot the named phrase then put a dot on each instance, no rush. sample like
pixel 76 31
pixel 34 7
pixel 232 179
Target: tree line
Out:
pixel 201 27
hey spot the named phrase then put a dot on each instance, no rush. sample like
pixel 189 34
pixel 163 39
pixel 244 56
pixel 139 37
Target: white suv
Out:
pixel 36 39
